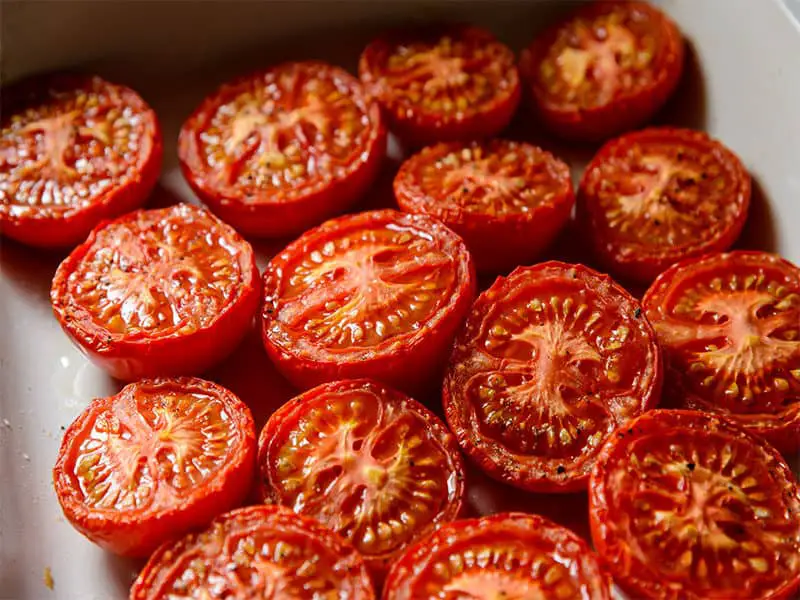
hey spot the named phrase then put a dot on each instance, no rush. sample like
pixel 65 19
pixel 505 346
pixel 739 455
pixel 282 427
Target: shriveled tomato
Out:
pixel 442 83
pixel 651 198
pixel 508 200
pixel 279 151
pixel 168 291
pixel 684 505
pixel 551 361
pixel 605 69
pixel 378 294
pixel 508 555
pixel 256 552
pixel 372 464
pixel 74 150
pixel 729 325
pixel 158 459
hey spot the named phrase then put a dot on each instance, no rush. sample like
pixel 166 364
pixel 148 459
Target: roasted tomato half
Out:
pixel 508 200
pixel 729 325
pixel 160 458
pixel 379 294
pixel 442 83
pixel 651 198
pixel 256 552
pixel 686 506
pixel 372 464
pixel 167 291
pixel 552 359
pixel 74 150
pixel 279 151
pixel 605 69
pixel 504 556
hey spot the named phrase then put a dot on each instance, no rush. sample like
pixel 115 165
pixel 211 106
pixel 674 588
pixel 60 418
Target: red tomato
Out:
pixel 256 552
pixel 158 459
pixel 167 291
pixel 551 361
pixel 370 463
pixel 279 151
pixel 443 83
pixel 684 505
pixel 508 555
pixel 729 325
pixel 74 150
pixel 605 69
pixel 651 198
pixel 508 200
pixel 379 294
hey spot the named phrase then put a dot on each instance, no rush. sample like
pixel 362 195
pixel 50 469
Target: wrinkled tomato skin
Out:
pixel 636 579
pixel 139 532
pixel 641 264
pixel 409 367
pixel 72 226
pixel 498 243
pixel 130 358
pixel 282 212
pixel 623 112
pixel 417 126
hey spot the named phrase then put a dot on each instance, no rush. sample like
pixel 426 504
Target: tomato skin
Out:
pixel 407 578
pixel 138 532
pixel 778 421
pixel 625 111
pixel 417 123
pixel 273 522
pixel 638 260
pixel 497 242
pixel 477 435
pixel 285 423
pixel 408 364
pixel 653 579
pixel 288 210
pixel 130 357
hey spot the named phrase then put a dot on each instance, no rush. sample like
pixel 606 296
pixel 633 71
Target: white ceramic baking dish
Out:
pixel 742 85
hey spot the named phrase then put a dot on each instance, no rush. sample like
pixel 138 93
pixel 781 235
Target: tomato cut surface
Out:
pixel 551 360
pixel 378 294
pixel 145 466
pixel 685 505
pixel 508 200
pixel 607 68
pixel 508 555
pixel 653 197
pixel 279 151
pixel 74 150
pixel 372 464
pixel 729 325
pixel 442 83
pixel 158 292
pixel 256 552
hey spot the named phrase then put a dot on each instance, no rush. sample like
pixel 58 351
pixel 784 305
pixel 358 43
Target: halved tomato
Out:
pixel 605 69
pixel 281 150
pixel 504 556
pixel 378 294
pixel 74 150
pixel 257 552
pixel 168 291
pixel 552 359
pixel 442 83
pixel 729 325
pixel 372 464
pixel 651 198
pixel 684 505
pixel 508 200
pixel 158 459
